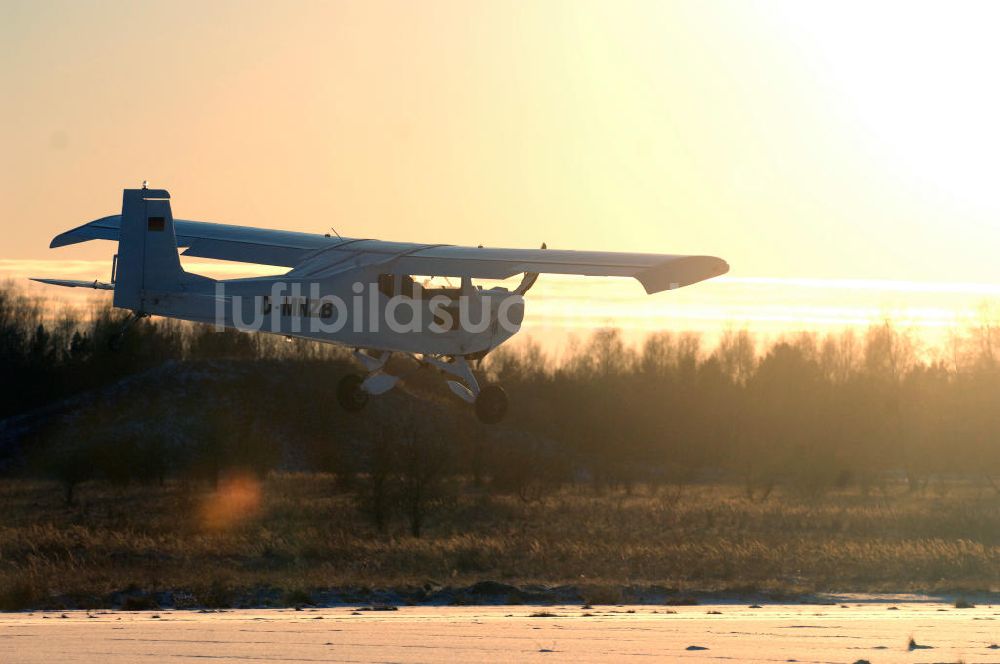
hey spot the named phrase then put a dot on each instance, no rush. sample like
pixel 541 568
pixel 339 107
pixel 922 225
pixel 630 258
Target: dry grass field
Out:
pixel 287 539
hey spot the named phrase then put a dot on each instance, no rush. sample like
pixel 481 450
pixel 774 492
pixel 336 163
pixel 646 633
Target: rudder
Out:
pixel 147 248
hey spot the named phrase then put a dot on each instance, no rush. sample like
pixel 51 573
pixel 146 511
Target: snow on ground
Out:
pixel 856 629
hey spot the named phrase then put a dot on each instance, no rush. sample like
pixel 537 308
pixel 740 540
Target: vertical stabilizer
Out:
pixel 147 248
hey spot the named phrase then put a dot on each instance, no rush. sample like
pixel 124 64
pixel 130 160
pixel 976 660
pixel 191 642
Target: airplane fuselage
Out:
pixel 356 310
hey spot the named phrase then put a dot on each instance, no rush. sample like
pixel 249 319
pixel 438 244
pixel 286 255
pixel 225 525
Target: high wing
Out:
pixel 317 256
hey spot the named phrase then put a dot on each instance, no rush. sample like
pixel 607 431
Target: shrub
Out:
pixel 601 594
pixel 216 596
pixel 139 603
pixel 19 595
pixel 298 597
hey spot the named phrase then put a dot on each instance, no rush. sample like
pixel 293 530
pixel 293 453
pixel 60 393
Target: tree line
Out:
pixel 806 411
pixel 812 411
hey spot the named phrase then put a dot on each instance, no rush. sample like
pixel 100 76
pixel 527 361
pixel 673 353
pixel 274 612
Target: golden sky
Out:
pixel 847 146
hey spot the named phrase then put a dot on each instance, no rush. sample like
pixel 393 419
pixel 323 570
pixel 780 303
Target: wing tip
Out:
pixel 680 272
pixel 105 228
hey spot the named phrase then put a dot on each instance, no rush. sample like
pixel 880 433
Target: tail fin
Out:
pixel 147 248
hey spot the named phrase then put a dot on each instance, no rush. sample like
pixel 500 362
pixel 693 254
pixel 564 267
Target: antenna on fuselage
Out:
pixel 335 233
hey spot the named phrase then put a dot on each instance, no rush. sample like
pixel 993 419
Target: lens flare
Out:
pixel 237 499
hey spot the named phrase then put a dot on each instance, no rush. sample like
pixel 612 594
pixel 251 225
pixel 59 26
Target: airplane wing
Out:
pixel 656 272
pixel 318 256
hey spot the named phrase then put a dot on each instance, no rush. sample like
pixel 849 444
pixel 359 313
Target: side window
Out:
pixel 385 284
pixel 437 285
pixel 389 286
pixel 408 287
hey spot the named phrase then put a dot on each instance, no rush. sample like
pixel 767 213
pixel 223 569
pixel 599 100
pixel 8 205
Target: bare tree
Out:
pixel 424 465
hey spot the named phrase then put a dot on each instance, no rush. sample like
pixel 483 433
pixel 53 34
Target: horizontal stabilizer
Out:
pixel 76 283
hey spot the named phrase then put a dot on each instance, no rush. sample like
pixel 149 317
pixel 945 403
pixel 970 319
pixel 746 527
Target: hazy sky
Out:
pixel 797 140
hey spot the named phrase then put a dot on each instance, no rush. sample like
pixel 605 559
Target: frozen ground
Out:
pixel 855 629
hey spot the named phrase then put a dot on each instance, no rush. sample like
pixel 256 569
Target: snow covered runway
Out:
pixel 845 632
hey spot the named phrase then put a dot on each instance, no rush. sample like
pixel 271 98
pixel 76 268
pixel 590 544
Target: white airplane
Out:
pixel 360 293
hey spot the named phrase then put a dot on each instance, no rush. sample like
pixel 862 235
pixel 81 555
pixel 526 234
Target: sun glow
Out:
pixel 842 157
pixel 562 306
pixel 918 78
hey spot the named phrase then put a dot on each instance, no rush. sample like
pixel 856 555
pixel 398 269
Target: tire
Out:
pixel 491 404
pixel 350 396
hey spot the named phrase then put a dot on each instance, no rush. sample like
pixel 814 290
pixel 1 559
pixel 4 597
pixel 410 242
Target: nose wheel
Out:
pixel 491 404
pixel 350 396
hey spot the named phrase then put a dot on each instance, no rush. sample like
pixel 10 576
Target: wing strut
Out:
pixel 529 279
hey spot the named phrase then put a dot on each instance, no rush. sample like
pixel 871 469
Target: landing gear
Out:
pixel 350 396
pixel 491 404
pixel 353 390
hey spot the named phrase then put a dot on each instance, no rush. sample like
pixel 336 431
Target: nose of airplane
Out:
pixel 508 314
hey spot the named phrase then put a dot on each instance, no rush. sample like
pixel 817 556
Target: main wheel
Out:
pixel 350 396
pixel 491 404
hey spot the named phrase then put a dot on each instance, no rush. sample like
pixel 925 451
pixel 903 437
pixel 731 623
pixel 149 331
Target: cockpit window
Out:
pixel 385 284
pixel 418 286
pixel 432 286
pixel 391 285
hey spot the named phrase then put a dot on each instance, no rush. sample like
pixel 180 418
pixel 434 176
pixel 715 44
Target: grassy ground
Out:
pixel 297 533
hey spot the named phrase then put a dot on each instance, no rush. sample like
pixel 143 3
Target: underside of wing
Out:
pixel 318 256
pixel 656 272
